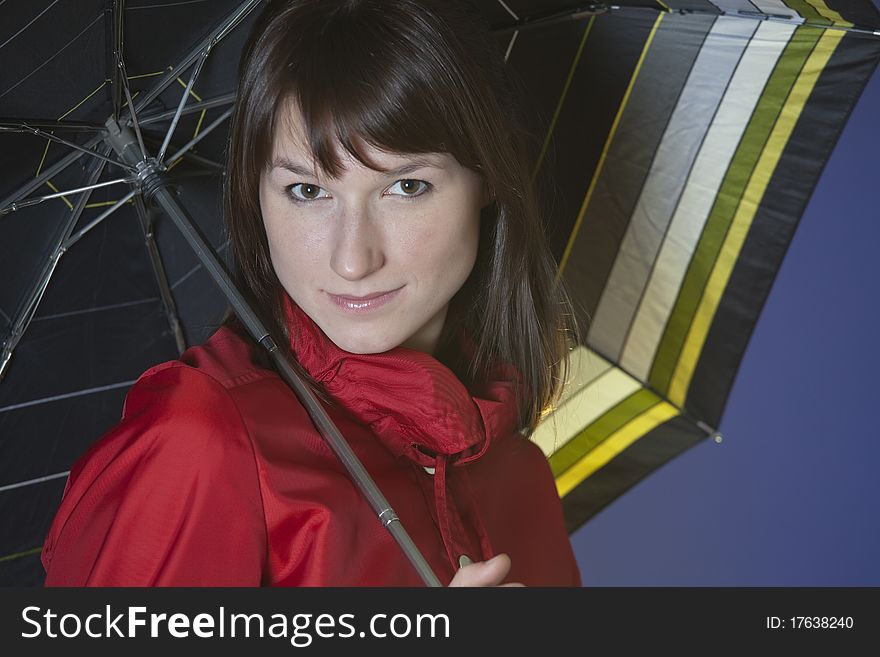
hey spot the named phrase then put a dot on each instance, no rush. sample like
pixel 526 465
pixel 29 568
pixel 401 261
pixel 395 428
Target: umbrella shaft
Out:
pixel 154 187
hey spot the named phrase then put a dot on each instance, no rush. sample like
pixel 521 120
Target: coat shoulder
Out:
pixel 226 356
pixel 155 481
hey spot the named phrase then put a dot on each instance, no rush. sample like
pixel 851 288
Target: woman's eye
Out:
pixel 307 192
pixel 410 187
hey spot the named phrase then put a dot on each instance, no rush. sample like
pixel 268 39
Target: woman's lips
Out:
pixel 363 304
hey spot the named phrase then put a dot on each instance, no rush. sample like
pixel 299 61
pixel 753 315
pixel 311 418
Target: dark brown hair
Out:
pixel 407 76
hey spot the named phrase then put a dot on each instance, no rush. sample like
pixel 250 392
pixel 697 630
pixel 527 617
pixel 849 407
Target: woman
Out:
pixel 376 149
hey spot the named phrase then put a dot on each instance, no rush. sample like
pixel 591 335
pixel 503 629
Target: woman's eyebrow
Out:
pixel 293 167
pixel 415 164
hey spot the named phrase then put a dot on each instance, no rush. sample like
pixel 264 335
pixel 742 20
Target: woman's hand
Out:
pixel 484 573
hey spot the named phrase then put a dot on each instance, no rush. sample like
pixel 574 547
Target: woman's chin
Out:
pixel 364 346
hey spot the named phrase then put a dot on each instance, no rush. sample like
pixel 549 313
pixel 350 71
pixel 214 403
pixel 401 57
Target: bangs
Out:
pixel 405 77
pixel 355 81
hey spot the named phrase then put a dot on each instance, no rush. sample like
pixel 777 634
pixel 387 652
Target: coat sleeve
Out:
pixel 170 496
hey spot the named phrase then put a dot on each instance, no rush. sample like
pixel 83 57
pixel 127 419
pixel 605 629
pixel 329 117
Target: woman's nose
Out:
pixel 357 247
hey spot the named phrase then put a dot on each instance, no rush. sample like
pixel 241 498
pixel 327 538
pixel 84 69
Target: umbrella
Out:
pixel 685 138
pixel 146 171
pixel 708 130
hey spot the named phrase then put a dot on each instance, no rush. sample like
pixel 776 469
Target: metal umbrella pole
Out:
pixel 154 185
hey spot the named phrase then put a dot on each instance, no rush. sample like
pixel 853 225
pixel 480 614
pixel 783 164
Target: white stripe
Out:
pixel 687 127
pixel 585 366
pixel 701 190
pixel 584 403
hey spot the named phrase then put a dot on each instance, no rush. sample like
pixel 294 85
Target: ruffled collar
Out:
pixel 414 403
pixel 419 409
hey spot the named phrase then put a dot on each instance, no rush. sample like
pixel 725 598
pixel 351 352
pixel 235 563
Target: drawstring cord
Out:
pixel 442 505
pixel 440 495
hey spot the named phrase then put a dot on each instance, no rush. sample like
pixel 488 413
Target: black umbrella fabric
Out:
pixel 92 297
pixel 95 287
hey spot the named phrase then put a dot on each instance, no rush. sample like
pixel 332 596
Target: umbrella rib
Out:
pixel 212 39
pixel 56 168
pixel 15 125
pixel 182 103
pixel 510 45
pixel 508 10
pixel 131 108
pixel 542 19
pixel 244 9
pixel 69 192
pixel 70 144
pixel 73 239
pixel 204 161
pixel 226 99
pixel 118 45
pixel 35 294
pixel 161 277
pixel 196 268
pixel 577 12
pixel 195 140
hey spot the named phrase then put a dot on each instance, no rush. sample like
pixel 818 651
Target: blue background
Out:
pixel 791 496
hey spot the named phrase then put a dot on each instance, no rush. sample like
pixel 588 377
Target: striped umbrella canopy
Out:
pixel 687 140
pixel 682 141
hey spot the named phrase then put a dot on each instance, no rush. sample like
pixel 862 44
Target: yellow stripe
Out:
pixel 43 159
pixel 199 124
pixel 745 214
pixel 102 204
pixel 608 140
pixel 827 12
pixel 585 365
pixel 133 96
pixel 587 406
pixel 56 190
pixel 664 5
pixel 145 75
pixel 101 86
pixel 191 92
pixel 614 445
pixel 571 70
pixel 16 555
pixel 49 141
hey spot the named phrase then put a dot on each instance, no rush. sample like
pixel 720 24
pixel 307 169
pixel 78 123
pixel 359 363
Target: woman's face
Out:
pixel 413 231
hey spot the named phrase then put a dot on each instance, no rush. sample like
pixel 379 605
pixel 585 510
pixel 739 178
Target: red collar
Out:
pixel 408 397
pixel 411 400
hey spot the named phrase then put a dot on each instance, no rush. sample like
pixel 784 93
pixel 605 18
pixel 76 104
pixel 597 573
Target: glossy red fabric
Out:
pixel 215 476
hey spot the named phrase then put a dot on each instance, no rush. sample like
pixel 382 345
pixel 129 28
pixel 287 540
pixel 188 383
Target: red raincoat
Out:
pixel 215 476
